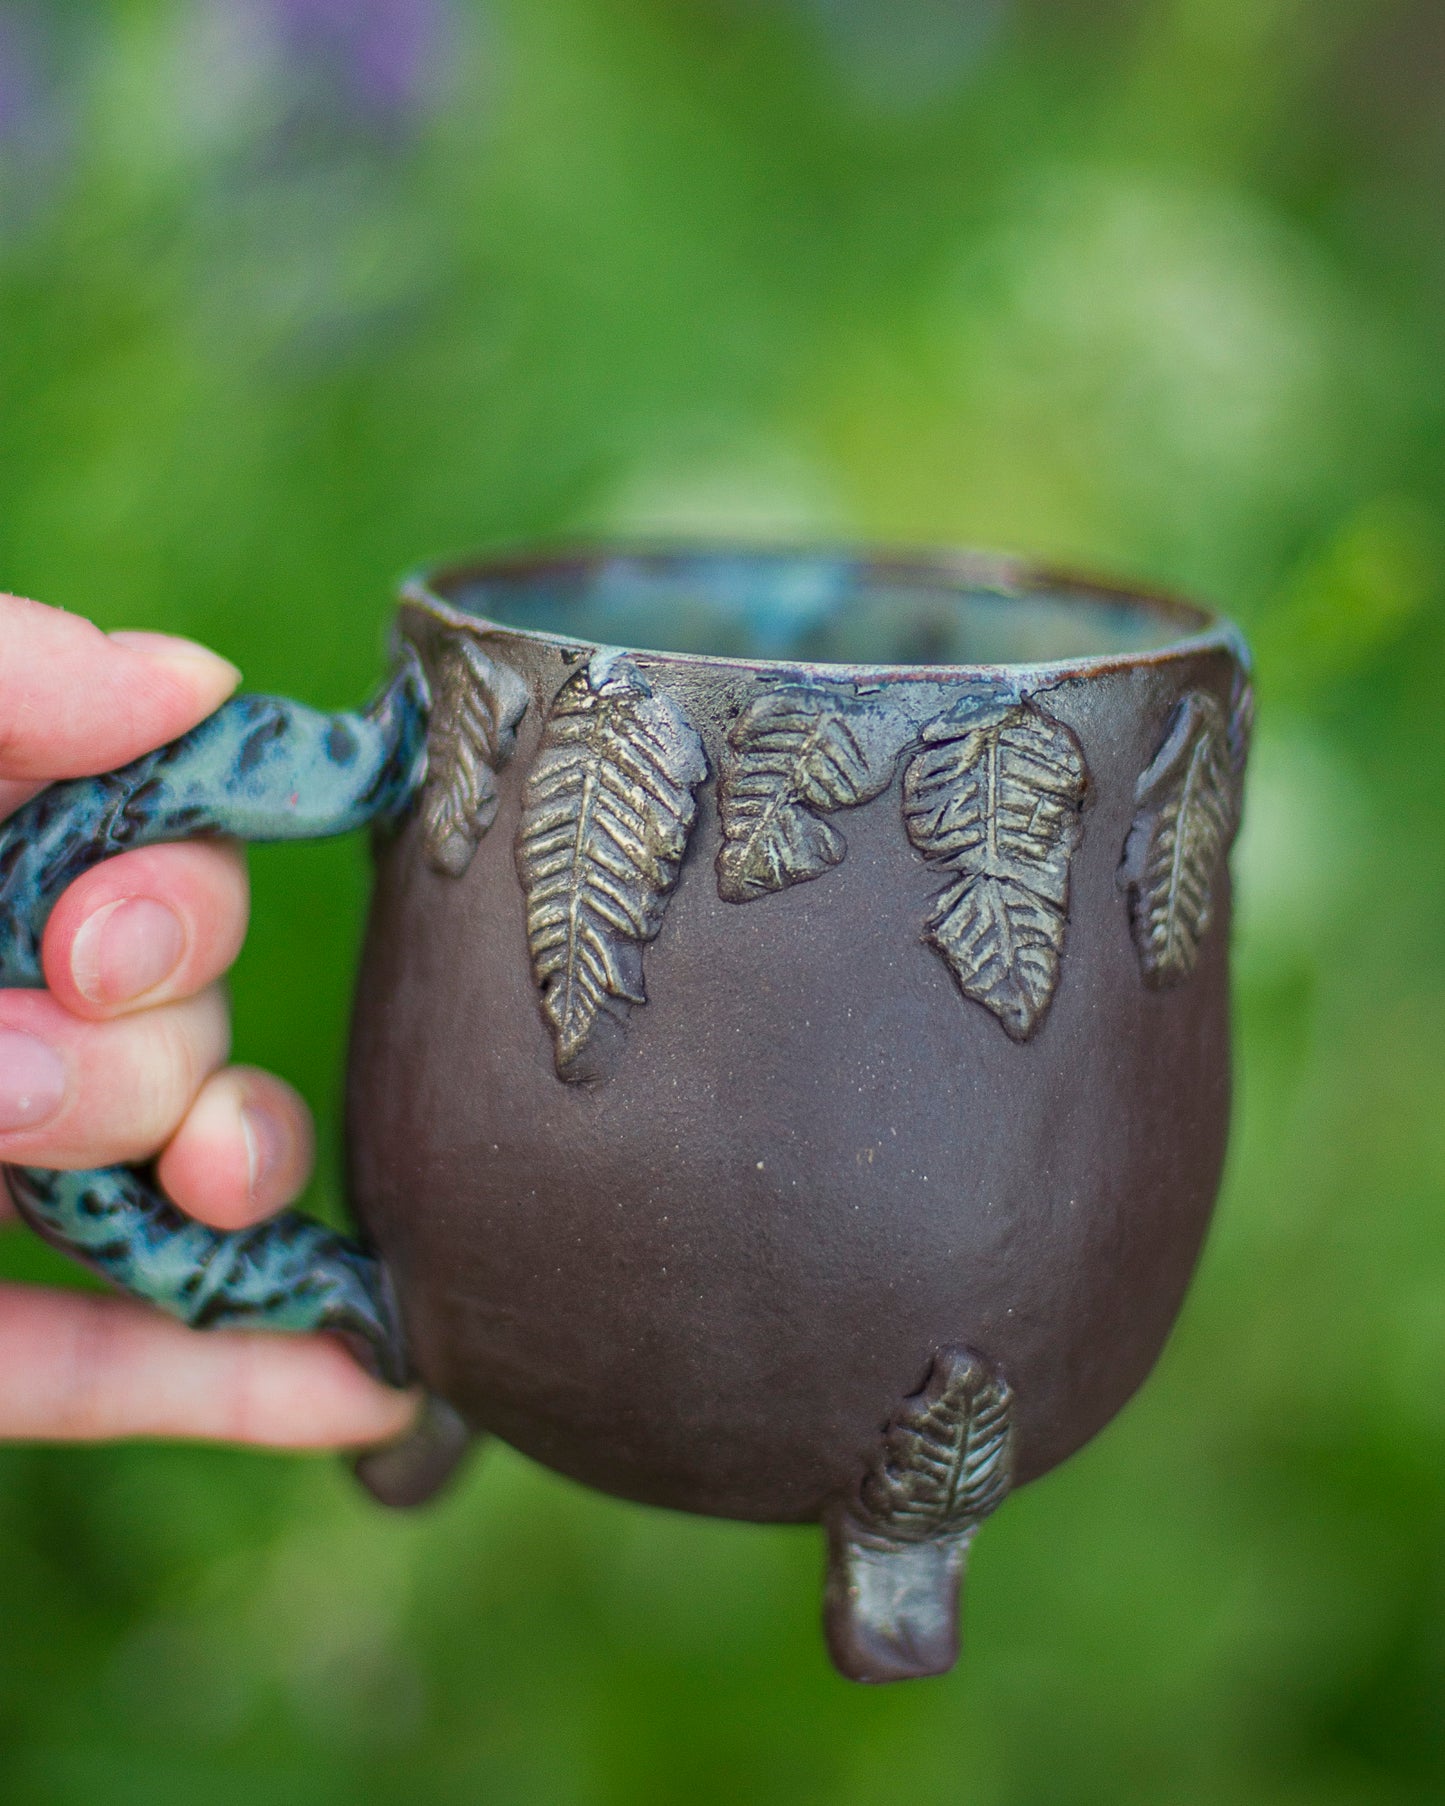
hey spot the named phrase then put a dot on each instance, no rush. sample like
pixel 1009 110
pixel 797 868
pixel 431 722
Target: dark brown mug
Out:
pixel 790 1072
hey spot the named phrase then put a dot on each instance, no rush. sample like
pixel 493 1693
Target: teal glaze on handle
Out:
pixel 261 768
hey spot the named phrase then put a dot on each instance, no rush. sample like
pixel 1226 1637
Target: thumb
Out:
pixel 75 701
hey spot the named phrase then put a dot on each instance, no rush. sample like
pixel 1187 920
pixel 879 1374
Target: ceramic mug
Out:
pixel 789 1075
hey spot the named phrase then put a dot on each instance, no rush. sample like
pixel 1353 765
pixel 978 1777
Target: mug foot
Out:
pixel 417 1466
pixel 898 1547
pixel 891 1610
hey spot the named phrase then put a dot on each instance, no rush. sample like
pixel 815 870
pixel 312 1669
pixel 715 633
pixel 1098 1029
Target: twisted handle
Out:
pixel 261 768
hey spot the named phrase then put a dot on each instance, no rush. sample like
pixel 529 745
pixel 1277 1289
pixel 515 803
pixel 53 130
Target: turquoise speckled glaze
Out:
pixel 261 768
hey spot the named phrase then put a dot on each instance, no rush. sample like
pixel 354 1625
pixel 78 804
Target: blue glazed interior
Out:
pixel 811 607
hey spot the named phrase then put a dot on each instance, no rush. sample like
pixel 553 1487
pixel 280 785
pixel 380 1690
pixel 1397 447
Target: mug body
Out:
pixel 741 1024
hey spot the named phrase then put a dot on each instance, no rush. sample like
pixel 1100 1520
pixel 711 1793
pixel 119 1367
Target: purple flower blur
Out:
pixel 381 59
pixel 22 96
pixel 34 119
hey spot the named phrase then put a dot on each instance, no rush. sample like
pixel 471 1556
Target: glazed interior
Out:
pixel 819 607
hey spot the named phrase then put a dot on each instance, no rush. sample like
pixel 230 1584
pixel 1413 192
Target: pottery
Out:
pixel 789 1076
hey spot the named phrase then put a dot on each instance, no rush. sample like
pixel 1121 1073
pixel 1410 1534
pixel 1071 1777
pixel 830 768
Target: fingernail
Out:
pixel 185 655
pixel 32 1080
pixel 265 1150
pixel 126 949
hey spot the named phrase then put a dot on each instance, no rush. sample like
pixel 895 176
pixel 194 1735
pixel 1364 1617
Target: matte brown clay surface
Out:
pixel 707 1277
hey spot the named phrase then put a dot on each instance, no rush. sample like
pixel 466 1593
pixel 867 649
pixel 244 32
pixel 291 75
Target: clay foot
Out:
pixel 898 1547
pixel 415 1468
pixel 891 1610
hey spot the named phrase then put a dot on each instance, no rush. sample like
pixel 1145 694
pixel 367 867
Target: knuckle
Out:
pixel 174 1052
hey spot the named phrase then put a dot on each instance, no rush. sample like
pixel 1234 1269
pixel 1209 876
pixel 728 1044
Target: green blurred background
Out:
pixel 294 293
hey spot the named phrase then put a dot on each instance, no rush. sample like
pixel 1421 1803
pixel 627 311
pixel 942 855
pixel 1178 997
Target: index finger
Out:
pixel 75 701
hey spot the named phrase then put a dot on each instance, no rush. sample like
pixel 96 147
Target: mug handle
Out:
pixel 261 768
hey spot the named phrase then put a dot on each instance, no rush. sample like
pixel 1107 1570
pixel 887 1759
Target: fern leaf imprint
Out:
pixel 477 702
pixel 995 797
pixel 1188 802
pixel 607 811
pixel 800 752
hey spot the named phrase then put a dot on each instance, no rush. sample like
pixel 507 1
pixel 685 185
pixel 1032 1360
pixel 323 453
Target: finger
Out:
pixel 244 1149
pixel 15 791
pixel 76 1367
pixel 74 700
pixel 146 928
pixel 77 1094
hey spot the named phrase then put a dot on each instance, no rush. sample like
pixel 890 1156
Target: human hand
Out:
pixel 123 1056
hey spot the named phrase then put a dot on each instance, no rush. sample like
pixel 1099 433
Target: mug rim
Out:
pixel 1009 576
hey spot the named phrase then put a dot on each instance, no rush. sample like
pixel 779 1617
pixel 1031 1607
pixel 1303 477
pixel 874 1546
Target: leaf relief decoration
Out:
pixel 1241 732
pixel 477 702
pixel 1188 802
pixel 607 810
pixel 946 1459
pixel 995 797
pixel 800 752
